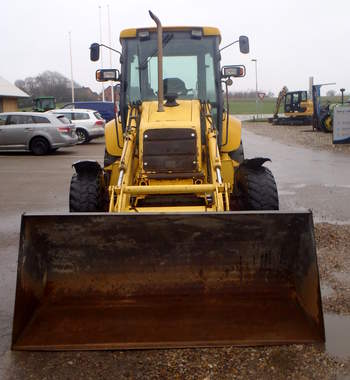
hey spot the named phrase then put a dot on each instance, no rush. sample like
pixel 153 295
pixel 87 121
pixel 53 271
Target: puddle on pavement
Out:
pixel 337 335
pixel 327 290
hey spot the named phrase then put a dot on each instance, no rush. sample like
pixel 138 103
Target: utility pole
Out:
pixel 71 66
pixel 100 19
pixel 110 51
pixel 342 95
pixel 256 86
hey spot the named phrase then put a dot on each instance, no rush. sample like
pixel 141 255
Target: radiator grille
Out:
pixel 170 150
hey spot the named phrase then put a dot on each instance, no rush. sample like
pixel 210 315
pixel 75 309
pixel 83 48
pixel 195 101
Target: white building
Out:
pixel 9 94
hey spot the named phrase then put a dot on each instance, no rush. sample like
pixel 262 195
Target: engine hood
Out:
pixel 187 111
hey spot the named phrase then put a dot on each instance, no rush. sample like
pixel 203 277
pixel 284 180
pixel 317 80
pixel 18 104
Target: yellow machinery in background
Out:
pixel 298 109
pixel 177 240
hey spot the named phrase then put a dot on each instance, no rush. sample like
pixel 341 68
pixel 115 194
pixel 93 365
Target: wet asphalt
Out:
pixel 307 179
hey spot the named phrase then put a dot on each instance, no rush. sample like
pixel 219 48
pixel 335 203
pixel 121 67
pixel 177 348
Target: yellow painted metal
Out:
pixel 186 111
pixel 185 115
pixel 174 189
pixel 207 30
pixel 126 164
pixel 213 149
pixel 169 209
pixel 227 169
pixel 231 136
pixel 129 178
pixel 114 142
pixel 307 105
pixel 214 159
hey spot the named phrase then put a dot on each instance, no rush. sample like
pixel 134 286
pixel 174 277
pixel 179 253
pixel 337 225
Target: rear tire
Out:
pixel 87 194
pixel 39 146
pixel 83 136
pixel 256 189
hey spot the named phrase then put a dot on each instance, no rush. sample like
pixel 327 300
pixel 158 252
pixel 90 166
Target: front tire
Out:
pixel 256 189
pixel 87 194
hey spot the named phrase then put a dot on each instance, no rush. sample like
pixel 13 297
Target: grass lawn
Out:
pixel 248 106
pixel 267 106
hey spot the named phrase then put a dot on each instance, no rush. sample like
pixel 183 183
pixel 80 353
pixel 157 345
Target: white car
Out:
pixel 39 133
pixel 89 124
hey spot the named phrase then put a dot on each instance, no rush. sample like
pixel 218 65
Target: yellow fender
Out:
pixel 231 136
pixel 114 141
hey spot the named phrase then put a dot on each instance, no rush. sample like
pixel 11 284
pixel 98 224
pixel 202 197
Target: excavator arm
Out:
pixel 279 100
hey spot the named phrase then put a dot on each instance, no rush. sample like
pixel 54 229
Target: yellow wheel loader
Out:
pixel 177 241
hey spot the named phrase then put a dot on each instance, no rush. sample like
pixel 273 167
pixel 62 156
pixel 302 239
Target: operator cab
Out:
pixel 292 102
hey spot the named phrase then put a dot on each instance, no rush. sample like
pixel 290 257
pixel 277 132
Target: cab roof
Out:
pixel 207 30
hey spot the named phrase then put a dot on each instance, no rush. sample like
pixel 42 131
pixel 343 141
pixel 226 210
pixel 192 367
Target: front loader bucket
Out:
pixel 122 281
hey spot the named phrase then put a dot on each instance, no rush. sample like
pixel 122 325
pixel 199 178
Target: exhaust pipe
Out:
pixel 160 61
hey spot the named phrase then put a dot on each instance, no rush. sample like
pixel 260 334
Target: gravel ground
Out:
pixel 333 242
pixel 297 135
pixel 293 362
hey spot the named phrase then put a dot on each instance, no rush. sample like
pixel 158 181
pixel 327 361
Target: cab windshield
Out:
pixel 189 68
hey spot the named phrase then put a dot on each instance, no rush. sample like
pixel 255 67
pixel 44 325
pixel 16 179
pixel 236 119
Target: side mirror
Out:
pixel 236 71
pixel 244 44
pixel 105 75
pixel 95 52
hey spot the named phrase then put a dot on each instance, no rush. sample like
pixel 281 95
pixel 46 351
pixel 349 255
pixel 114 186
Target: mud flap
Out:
pixel 129 281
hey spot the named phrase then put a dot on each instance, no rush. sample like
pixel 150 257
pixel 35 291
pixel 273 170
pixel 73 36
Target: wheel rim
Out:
pixel 39 147
pixel 81 135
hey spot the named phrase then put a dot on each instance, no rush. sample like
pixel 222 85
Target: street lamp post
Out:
pixel 71 65
pixel 256 86
pixel 100 22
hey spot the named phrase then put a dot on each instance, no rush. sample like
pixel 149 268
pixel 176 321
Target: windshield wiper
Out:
pixel 144 64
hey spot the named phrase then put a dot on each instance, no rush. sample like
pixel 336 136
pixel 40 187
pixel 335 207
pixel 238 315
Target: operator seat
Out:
pixel 174 86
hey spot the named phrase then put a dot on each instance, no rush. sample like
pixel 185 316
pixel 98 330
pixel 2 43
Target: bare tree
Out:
pixel 48 83
pixel 330 93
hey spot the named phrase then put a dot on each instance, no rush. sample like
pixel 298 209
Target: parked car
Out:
pixel 35 132
pixel 106 109
pixel 89 124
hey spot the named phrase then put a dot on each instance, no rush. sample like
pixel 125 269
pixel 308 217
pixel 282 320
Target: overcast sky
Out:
pixel 292 40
